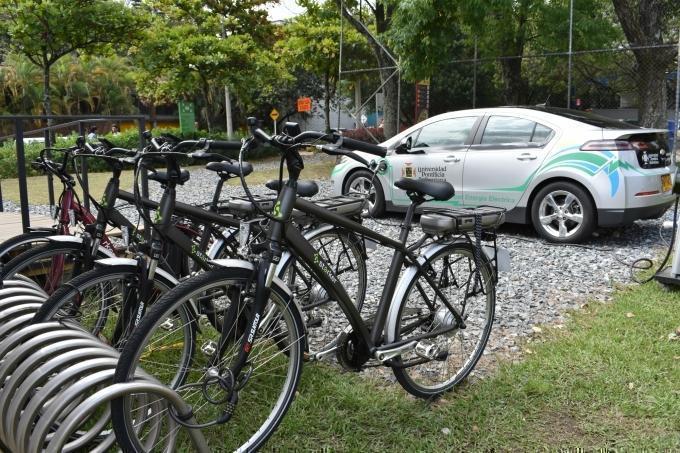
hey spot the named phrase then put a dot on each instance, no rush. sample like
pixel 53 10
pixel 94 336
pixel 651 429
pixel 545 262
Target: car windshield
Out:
pixel 588 118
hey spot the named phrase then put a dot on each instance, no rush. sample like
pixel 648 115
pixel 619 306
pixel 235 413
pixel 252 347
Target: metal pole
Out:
pixel 1 207
pixel 571 36
pixel 342 38
pixel 474 77
pixel 676 132
pixel 227 108
pixel 21 169
pixel 398 95
pixel 84 170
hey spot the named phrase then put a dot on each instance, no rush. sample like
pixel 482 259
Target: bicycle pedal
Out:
pixel 168 324
pixel 313 323
pixel 208 348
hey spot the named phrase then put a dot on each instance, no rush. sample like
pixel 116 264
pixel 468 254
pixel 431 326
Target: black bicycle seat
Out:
pixel 439 190
pixel 230 168
pixel 162 177
pixel 304 188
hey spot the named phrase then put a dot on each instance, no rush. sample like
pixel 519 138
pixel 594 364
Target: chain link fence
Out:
pixel 639 84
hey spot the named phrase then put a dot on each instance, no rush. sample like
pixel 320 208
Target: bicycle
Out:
pixel 446 295
pixel 70 211
pixel 89 297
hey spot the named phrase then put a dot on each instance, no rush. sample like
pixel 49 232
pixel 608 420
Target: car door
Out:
pixel 502 160
pixel 437 152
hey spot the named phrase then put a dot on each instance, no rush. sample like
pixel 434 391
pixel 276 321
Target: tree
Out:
pixel 649 23
pixel 44 31
pixel 198 47
pixel 311 43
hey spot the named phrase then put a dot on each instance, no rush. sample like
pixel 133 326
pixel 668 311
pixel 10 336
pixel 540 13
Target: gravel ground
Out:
pixel 545 282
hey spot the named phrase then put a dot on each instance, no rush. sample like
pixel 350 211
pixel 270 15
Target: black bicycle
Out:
pixel 431 325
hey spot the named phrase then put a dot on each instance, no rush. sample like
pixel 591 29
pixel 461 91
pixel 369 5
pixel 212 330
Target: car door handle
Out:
pixel 527 156
pixel 452 159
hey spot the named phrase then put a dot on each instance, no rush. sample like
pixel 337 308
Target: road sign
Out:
pixel 304 104
pixel 274 114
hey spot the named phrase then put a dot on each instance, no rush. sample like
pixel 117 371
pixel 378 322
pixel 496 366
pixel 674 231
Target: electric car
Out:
pixel 564 171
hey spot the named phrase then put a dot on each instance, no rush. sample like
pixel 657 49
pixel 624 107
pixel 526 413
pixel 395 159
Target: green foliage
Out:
pixel 194 47
pixel 79 85
pixel 128 139
pixel 46 30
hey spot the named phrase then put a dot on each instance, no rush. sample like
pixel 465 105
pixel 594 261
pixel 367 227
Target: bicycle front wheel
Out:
pixel 442 360
pixel 105 301
pixel 264 388
pixel 51 265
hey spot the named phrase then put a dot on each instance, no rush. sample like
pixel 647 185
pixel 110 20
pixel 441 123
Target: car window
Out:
pixel 541 134
pixel 451 132
pixel 505 130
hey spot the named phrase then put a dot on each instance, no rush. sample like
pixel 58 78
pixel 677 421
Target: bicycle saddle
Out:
pixel 304 188
pixel 162 177
pixel 230 168
pixel 439 190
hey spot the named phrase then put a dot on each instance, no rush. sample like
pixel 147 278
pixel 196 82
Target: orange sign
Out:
pixel 304 104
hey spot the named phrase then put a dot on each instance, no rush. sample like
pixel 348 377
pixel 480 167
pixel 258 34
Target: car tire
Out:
pixel 563 212
pixel 360 182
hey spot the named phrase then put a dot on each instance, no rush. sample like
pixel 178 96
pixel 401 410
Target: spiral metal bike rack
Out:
pixel 56 383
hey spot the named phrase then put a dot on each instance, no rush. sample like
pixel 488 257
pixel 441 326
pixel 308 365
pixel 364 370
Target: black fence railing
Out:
pixel 73 123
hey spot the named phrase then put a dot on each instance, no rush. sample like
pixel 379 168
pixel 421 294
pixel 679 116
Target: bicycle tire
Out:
pixel 238 432
pixel 95 290
pixel 31 264
pixel 418 318
pixel 343 252
pixel 17 245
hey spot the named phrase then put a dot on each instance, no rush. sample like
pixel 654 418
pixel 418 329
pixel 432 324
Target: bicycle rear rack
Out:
pixel 55 379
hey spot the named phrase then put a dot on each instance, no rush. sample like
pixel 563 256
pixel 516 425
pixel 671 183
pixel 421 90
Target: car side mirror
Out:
pixel 404 146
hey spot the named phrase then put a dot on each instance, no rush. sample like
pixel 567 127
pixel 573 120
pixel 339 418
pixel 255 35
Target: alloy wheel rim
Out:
pixel 363 186
pixel 561 214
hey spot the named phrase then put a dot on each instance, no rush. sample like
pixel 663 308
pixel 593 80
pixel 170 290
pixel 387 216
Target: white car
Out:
pixel 564 171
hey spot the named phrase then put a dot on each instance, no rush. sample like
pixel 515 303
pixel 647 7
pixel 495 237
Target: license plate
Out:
pixel 666 184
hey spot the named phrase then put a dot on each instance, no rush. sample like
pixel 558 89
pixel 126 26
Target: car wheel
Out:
pixel 363 182
pixel 563 212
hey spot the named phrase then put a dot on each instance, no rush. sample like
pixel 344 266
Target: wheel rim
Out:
pixel 561 214
pixel 363 186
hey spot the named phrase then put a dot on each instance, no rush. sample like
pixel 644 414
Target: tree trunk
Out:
pixel 388 77
pixel 514 86
pixel 47 101
pixel 206 109
pixel 327 102
pixel 642 22
pixel 651 87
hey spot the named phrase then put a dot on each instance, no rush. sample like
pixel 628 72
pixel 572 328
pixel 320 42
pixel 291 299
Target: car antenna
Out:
pixel 545 104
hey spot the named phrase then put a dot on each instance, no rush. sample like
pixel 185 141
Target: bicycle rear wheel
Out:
pixel 265 389
pixel 324 319
pixel 440 362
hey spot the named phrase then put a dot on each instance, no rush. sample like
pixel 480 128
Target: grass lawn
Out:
pixel 611 379
pixel 37 185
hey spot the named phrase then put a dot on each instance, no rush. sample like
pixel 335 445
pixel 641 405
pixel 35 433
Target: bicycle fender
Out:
pixel 217 245
pixel 243 264
pixel 132 262
pixel 402 287
pixel 286 257
pixel 78 240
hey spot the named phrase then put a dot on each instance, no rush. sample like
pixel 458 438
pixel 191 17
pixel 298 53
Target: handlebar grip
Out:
pixel 222 145
pixel 363 146
pixel 261 135
pixel 120 152
pixel 212 157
